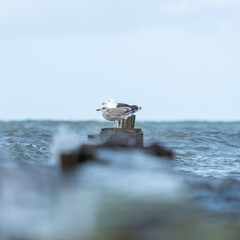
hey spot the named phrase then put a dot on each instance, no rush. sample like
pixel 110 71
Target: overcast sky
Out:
pixel 178 59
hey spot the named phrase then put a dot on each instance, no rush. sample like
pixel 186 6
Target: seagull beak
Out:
pixel 98 109
pixel 103 103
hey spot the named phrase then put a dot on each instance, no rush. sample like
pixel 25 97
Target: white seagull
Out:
pixel 113 111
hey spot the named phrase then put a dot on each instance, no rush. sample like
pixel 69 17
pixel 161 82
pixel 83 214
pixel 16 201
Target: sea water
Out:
pixel 37 201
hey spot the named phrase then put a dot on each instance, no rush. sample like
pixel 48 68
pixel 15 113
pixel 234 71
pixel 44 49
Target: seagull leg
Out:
pixel 114 124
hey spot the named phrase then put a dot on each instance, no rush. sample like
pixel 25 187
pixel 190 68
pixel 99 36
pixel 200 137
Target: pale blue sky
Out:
pixel 178 59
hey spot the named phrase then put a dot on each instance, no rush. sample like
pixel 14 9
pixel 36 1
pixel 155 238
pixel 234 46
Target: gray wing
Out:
pixel 133 107
pixel 113 114
pixel 122 105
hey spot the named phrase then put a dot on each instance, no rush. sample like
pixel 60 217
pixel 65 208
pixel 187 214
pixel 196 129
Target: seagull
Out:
pixel 111 103
pixel 113 111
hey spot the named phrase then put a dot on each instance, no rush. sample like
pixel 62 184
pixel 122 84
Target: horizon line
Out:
pixel 104 121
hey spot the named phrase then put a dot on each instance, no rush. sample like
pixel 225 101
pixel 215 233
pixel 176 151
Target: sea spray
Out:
pixel 64 141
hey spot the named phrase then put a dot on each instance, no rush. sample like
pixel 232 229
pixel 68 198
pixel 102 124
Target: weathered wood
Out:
pixel 83 154
pixel 125 135
pixel 119 130
pixel 90 152
pixel 119 136
pixel 128 123
pixel 68 160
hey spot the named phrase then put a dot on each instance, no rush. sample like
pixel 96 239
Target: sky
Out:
pixel 177 59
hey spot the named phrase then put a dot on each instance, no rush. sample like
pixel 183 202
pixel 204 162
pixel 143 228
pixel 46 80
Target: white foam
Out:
pixel 64 141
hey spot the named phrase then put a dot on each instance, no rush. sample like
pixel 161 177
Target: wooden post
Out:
pixel 128 123
pixel 125 135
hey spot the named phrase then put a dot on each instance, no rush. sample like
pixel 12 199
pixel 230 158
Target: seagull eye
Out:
pixel 108 100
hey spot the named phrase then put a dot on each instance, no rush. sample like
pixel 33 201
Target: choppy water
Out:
pixel 37 201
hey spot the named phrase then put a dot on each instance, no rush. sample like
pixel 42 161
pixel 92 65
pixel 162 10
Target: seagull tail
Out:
pixel 131 112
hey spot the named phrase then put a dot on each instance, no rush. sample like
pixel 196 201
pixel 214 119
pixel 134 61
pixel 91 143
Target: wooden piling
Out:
pixel 125 135
pixel 122 136
pixel 128 123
